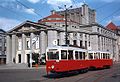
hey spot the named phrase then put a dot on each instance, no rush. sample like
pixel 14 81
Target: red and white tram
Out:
pixel 61 59
pixel 99 59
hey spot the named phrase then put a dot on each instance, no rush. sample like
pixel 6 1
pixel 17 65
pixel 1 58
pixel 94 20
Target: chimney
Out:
pixel 53 12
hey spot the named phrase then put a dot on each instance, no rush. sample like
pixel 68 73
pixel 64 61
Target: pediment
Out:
pixel 27 26
pixel 24 29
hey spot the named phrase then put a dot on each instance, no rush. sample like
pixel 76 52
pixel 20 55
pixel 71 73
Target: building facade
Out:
pixel 82 15
pixel 30 37
pixel 116 29
pixel 25 39
pixel 2 47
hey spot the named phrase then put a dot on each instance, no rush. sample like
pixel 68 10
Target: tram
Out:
pixel 60 59
pixel 99 59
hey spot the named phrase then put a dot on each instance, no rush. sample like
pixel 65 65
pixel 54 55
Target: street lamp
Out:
pixel 66 33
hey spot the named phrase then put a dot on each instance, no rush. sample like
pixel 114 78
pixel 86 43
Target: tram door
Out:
pixel 70 60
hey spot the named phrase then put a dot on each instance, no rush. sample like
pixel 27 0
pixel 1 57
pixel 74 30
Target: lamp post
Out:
pixel 32 43
pixel 66 33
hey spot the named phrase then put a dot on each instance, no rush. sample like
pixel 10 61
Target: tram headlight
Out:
pixel 52 66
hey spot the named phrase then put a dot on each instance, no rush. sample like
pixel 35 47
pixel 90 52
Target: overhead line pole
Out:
pixel 66 33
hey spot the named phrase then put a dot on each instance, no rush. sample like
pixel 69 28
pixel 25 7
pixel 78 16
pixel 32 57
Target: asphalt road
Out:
pixel 33 75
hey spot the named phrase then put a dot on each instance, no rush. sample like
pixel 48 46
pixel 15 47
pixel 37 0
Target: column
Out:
pixel 100 46
pixel 83 39
pixel 32 45
pixel 8 50
pixel 52 36
pixel 43 42
pixel 23 48
pixel 13 47
pixel 62 38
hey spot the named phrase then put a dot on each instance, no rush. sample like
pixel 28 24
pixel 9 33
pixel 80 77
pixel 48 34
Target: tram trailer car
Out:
pixel 60 59
pixel 99 59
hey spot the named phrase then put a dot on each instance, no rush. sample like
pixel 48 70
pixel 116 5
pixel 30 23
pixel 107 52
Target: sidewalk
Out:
pixel 16 66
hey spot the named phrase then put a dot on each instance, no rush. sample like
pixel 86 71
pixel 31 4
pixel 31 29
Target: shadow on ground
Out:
pixel 62 75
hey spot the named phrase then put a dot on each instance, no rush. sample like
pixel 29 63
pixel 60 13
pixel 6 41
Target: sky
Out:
pixel 14 12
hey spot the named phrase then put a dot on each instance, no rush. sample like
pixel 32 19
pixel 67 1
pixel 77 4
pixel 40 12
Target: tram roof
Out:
pixel 66 48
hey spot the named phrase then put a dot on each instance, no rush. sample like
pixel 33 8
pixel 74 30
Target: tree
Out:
pixel 35 57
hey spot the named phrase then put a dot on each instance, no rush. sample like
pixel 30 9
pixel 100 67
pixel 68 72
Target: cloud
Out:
pixel 7 24
pixel 34 1
pixel 116 18
pixel 108 1
pixel 55 3
pixel 59 2
pixel 15 6
pixel 30 11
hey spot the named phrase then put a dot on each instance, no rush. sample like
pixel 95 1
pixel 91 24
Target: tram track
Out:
pixel 96 75
pixel 100 74
pixel 104 76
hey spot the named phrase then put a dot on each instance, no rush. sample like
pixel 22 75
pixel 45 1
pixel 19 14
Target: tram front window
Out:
pixel 53 55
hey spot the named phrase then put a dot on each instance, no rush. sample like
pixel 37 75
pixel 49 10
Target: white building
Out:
pixel 30 37
pixel 2 47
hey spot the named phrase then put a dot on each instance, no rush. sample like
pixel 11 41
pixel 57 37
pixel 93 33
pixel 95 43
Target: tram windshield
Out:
pixel 53 55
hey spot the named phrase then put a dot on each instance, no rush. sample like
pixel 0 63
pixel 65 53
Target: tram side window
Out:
pixel 70 54
pixel 80 55
pixel 108 56
pixel 90 56
pixel 83 55
pixel 98 55
pixel 63 54
pixel 104 55
pixel 76 54
pixel 53 55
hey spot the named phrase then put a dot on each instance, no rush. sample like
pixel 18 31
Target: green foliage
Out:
pixel 35 57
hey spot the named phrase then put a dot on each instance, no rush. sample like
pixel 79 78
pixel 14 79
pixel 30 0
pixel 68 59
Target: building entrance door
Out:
pixel 28 59
pixel 19 58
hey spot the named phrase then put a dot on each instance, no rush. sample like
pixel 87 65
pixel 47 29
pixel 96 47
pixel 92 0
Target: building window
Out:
pixel 81 43
pixel 58 42
pixel 97 29
pixel 86 44
pixel 68 41
pixel 1 49
pixel 89 43
pixel 74 34
pixel 74 42
pixel 28 45
pixel 0 40
pixel 63 25
pixel 85 35
pixel 81 35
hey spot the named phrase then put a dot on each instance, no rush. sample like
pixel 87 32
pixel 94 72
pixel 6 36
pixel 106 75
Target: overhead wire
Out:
pixel 13 12
pixel 118 10
pixel 28 8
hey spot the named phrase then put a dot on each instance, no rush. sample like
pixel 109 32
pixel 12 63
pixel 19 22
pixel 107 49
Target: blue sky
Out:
pixel 14 12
